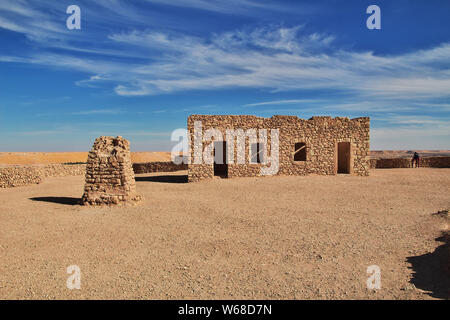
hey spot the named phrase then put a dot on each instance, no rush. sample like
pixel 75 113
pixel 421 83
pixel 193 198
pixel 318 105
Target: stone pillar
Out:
pixel 109 173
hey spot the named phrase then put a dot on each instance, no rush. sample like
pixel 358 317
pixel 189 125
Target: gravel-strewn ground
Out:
pixel 26 158
pixel 256 238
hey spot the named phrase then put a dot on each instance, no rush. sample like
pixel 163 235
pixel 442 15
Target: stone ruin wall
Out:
pixel 109 173
pixel 12 176
pixel 321 135
pixel 428 162
pixel 17 175
pixel 160 166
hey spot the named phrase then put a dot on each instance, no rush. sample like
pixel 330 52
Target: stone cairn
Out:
pixel 109 173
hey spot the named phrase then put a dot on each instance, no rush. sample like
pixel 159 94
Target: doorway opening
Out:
pixel 220 159
pixel 343 157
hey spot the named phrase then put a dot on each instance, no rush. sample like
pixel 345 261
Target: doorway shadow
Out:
pixel 60 200
pixel 165 179
pixel 431 271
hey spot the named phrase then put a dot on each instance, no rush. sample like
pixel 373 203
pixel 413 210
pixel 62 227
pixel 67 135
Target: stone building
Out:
pixel 109 173
pixel 320 145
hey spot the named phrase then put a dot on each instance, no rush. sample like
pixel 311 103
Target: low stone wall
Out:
pixel 11 177
pixel 16 176
pixel 431 162
pixel 436 162
pixel 149 167
pixel 63 170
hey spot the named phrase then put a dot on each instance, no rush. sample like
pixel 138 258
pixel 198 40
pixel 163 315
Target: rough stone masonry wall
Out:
pixel 22 175
pixel 62 170
pixel 17 176
pixel 109 173
pixel 321 135
pixel 429 162
pixel 11 177
pixel 148 167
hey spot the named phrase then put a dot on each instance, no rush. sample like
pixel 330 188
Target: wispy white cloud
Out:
pixel 91 112
pixel 24 17
pixel 415 120
pixel 55 131
pixel 410 131
pixel 18 7
pixel 281 62
pixel 147 134
pixel 429 138
pixel 274 58
pixel 98 112
pixel 63 131
pixel 435 105
pixel 403 131
pixel 283 102
pixel 229 6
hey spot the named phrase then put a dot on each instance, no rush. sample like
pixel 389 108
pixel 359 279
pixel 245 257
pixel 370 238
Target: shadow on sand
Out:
pixel 61 200
pixel 432 271
pixel 165 179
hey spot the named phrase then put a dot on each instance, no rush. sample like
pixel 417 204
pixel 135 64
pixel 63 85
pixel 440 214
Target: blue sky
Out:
pixel 139 68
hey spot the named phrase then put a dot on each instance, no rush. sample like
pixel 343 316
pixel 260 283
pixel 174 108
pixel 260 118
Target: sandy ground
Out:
pixel 256 238
pixel 25 158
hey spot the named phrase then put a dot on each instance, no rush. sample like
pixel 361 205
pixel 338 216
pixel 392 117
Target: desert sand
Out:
pixel 278 237
pixel 25 158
